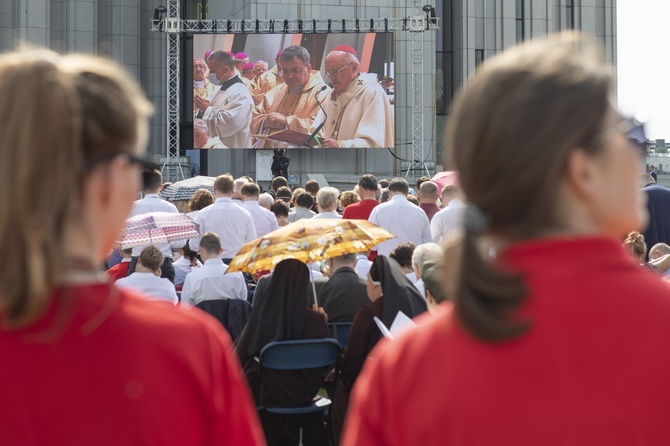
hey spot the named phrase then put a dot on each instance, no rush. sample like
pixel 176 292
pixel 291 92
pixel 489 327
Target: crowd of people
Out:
pixel 240 104
pixel 236 212
pixel 534 319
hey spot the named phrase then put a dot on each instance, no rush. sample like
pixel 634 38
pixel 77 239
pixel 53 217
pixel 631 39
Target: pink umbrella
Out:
pixel 156 227
pixel 446 178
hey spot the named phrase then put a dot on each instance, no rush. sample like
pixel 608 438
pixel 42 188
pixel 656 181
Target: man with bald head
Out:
pixel 201 139
pixel 428 198
pixel 202 87
pixel 358 111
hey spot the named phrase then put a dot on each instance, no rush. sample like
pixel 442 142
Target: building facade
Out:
pixel 471 31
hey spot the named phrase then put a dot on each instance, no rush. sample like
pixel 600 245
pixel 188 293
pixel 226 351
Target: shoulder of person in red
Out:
pixel 118 271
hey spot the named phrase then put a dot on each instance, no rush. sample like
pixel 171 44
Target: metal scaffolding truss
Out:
pixel 417 27
pixel 289 26
pixel 172 169
pixel 173 26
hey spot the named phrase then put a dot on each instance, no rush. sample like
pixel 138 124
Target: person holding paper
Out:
pixel 292 105
pixel 391 292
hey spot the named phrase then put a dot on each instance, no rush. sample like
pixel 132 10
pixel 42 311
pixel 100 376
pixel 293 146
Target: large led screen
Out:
pixel 271 91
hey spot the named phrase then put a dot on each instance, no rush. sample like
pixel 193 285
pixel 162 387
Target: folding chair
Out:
pixel 340 332
pixel 296 355
pixel 299 354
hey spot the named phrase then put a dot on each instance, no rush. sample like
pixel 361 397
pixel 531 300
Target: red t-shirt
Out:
pixel 106 367
pixel 430 209
pixel 118 271
pixel 592 369
pixel 360 210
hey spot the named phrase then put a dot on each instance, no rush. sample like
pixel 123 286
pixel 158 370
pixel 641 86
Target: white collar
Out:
pixel 398 197
pixel 143 276
pixel 214 262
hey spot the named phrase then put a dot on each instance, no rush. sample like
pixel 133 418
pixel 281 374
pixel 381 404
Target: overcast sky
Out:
pixel 643 39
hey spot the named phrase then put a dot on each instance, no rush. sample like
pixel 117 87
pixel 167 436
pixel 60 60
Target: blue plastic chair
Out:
pixel 299 354
pixel 340 332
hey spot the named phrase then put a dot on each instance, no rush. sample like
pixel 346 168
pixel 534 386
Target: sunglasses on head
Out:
pixel 634 131
pixel 632 128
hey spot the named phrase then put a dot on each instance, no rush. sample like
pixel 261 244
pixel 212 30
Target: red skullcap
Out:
pixel 248 66
pixel 241 55
pixel 346 49
pixel 207 54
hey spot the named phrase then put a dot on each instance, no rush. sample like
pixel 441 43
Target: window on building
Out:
pixel 479 57
pixel 569 14
pixel 520 18
pixel 445 57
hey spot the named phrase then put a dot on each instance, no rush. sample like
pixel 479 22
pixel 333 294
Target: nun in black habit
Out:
pixel 280 314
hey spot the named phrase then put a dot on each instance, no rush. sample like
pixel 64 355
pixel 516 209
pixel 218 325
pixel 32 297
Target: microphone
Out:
pixel 319 102
pixel 323 122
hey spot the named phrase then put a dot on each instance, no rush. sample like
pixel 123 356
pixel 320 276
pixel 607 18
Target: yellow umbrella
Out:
pixel 308 240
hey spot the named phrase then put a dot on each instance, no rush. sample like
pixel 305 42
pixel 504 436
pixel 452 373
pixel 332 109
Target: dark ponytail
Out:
pixel 512 130
pixel 485 297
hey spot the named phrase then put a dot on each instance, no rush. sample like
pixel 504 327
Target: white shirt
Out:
pixel 299 213
pixel 363 266
pixel 447 220
pixel 230 222
pixel 403 219
pixel 329 214
pixel 182 267
pixel 264 220
pixel 155 288
pixel 153 203
pixel 212 283
pixel 229 116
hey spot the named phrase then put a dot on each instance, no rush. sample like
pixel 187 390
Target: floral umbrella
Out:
pixel 308 240
pixel 156 227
